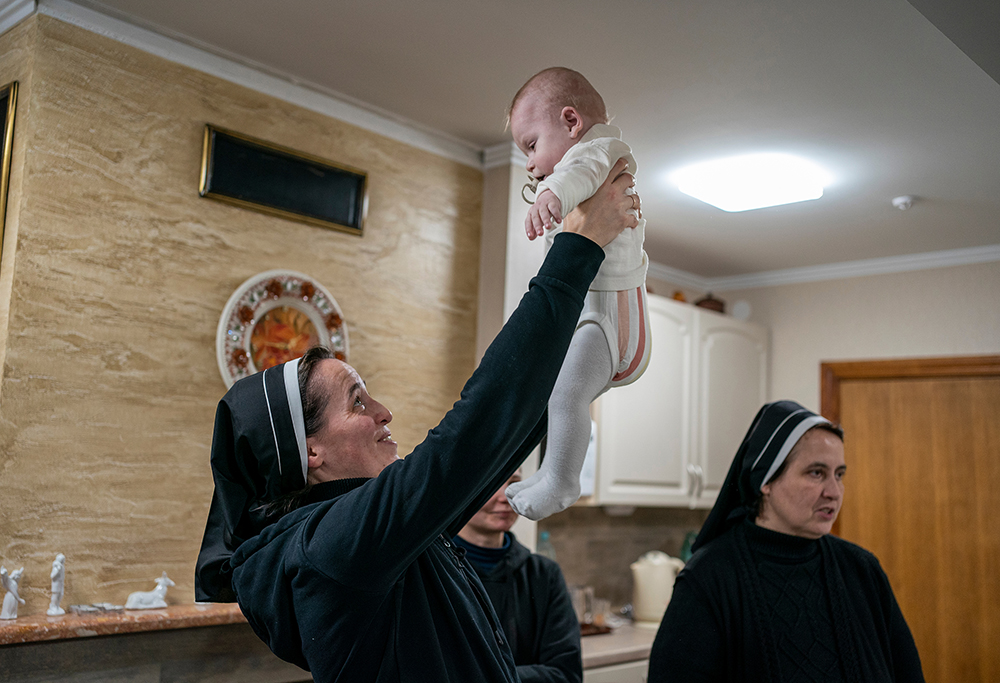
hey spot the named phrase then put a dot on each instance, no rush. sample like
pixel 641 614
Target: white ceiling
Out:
pixel 870 89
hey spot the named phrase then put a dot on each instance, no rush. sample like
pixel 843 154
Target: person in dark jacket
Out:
pixel 769 594
pixel 527 592
pixel 360 580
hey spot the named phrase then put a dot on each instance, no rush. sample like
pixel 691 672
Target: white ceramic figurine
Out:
pixel 10 582
pixel 58 577
pixel 153 599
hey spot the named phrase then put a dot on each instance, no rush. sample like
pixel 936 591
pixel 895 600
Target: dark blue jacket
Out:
pixel 366 585
pixel 530 597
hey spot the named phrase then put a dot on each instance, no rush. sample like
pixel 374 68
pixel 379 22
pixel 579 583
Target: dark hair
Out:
pixel 758 505
pixel 314 402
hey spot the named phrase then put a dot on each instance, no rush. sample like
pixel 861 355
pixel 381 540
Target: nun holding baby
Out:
pixel 769 594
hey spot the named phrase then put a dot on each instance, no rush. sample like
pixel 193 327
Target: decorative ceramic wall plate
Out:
pixel 274 317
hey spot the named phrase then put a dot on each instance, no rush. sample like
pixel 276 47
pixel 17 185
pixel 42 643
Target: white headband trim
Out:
pixel 270 416
pixel 790 442
pixel 295 408
pixel 773 434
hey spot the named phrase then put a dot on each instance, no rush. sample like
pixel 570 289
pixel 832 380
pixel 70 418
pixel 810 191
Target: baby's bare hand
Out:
pixel 533 223
pixel 543 214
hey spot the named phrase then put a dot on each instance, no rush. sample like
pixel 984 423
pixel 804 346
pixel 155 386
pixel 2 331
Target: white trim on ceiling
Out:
pixel 504 153
pixel 261 78
pixel 831 271
pixel 676 276
pixel 12 12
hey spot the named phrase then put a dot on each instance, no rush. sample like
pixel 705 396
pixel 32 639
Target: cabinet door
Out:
pixel 629 672
pixel 732 386
pixel 644 438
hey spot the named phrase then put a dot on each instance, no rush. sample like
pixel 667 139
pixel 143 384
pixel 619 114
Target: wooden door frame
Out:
pixel 833 373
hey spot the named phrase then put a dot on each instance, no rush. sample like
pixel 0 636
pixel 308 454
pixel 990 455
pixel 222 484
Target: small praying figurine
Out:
pixel 58 577
pixel 11 599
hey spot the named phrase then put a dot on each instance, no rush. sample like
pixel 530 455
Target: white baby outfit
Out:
pixel 595 361
pixel 576 177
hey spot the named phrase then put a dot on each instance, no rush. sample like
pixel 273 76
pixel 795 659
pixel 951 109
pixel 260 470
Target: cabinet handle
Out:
pixel 692 485
pixel 701 480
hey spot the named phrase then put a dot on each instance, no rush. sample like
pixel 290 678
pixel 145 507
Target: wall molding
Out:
pixel 679 277
pixel 502 154
pixel 831 271
pixel 261 78
pixel 13 12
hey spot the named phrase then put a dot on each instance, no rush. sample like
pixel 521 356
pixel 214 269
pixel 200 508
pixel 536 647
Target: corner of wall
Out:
pixel 17 47
pixel 492 257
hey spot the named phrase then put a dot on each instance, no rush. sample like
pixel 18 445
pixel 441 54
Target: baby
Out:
pixel 559 120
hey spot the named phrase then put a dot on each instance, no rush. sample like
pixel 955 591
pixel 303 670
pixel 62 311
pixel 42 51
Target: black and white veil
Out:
pixel 774 432
pixel 258 455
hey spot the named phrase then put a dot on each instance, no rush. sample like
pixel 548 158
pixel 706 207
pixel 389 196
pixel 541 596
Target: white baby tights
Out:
pixel 585 375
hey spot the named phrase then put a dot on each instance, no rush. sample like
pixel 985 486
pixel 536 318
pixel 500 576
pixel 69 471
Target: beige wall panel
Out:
pixel 122 271
pixel 941 312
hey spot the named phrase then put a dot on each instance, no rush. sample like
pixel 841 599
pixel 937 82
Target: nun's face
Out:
pixel 354 440
pixel 806 498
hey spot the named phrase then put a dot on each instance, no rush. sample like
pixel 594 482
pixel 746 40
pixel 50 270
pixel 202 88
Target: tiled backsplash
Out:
pixel 596 549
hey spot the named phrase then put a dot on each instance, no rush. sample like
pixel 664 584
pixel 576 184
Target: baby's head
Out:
pixel 550 113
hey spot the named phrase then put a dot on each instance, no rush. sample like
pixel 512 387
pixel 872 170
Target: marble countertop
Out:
pixel 39 627
pixel 626 643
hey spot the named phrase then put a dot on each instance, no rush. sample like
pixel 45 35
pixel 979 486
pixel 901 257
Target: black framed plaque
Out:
pixel 8 105
pixel 265 177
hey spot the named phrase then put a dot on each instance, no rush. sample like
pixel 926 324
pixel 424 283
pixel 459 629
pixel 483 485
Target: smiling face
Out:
pixel 354 439
pixel 487 527
pixel 543 132
pixel 805 498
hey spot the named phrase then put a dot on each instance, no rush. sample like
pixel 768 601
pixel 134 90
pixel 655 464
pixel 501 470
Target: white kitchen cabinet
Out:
pixel 668 439
pixel 639 423
pixel 629 672
pixel 731 386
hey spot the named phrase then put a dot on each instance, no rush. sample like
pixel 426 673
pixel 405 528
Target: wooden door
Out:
pixel 922 444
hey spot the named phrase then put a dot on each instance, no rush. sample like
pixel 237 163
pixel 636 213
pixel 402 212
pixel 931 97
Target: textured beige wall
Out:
pixel 951 311
pixel 941 312
pixel 16 60
pixel 121 272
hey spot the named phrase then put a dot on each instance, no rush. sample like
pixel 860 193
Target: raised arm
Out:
pixel 383 525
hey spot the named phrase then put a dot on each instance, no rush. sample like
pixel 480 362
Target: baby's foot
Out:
pixel 539 496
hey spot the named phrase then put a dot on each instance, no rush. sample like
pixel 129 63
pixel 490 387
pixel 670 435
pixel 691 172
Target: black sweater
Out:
pixel 367 585
pixel 530 597
pixel 719 625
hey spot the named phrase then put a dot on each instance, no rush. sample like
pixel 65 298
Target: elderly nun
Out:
pixel 769 594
